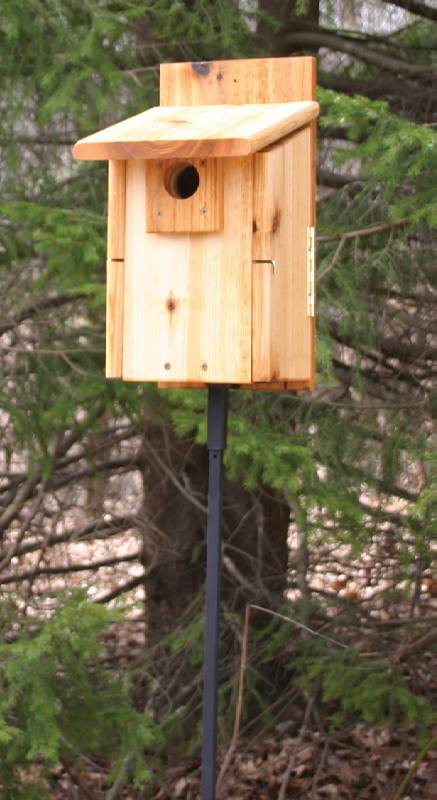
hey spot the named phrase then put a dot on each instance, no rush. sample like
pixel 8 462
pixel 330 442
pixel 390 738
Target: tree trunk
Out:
pixel 275 42
pixel 175 480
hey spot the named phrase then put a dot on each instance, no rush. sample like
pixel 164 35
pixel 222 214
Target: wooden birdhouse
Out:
pixel 211 227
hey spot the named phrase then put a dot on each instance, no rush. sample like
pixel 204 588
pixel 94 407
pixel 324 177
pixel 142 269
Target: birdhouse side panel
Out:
pixel 116 210
pixel 187 297
pixel 282 327
pixel 115 267
pixel 267 212
pixel 296 347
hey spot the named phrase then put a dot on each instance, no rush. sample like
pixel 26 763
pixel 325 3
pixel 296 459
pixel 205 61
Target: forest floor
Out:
pixel 359 763
pixel 303 758
pixel 362 763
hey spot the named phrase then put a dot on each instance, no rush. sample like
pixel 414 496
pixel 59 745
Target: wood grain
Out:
pixel 156 289
pixel 201 212
pixel 282 346
pixel 197 131
pixel 252 81
pixel 114 318
pixel 255 80
pixel 115 267
pixel 187 311
pixel 116 209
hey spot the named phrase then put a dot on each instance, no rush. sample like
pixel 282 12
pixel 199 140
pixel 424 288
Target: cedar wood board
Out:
pixel 206 131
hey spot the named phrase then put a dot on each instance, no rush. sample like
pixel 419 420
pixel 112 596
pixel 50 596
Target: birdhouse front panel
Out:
pixel 187 296
pixel 210 228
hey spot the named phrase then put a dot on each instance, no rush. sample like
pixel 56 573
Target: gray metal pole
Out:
pixel 217 430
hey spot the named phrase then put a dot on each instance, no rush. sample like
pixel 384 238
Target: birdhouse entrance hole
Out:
pixel 182 181
pixel 183 196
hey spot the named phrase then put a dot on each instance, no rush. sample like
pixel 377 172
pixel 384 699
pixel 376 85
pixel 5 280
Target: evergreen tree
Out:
pixel 351 462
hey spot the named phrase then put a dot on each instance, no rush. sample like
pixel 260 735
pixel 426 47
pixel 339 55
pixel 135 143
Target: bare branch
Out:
pixel 372 229
pixel 390 346
pixel 24 494
pixel 125 587
pixel 97 529
pixel 94 565
pixel 414 7
pixel 35 308
pixel 359 51
pixel 336 181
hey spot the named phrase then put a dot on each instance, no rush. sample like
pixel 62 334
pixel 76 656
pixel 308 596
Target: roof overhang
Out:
pixel 207 131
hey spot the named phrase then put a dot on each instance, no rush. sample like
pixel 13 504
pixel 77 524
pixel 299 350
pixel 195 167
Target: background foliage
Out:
pixel 84 460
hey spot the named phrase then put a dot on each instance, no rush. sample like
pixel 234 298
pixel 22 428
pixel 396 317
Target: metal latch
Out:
pixel 270 261
pixel 311 271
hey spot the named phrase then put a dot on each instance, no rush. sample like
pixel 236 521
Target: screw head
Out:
pixel 204 210
pixel 159 213
pixel 204 367
pixel 167 365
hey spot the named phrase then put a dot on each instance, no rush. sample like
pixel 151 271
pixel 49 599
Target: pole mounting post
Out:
pixel 217 436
